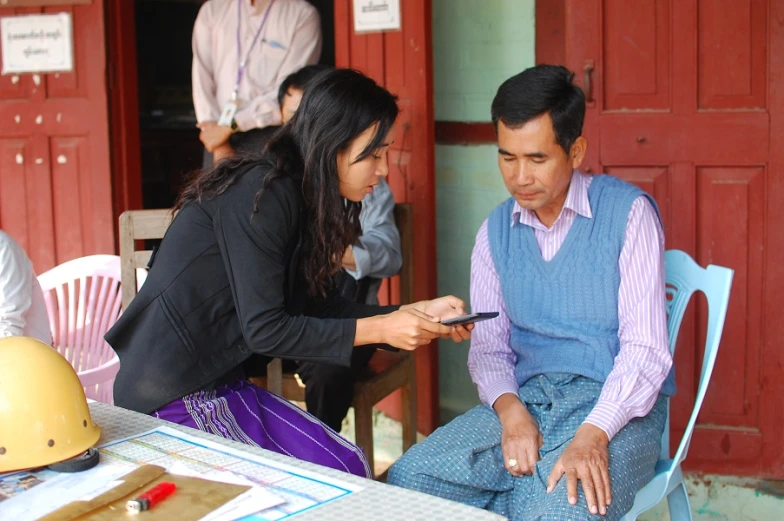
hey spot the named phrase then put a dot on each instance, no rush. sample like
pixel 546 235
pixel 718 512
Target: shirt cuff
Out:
pixel 362 262
pixel 608 416
pixel 207 112
pixel 495 390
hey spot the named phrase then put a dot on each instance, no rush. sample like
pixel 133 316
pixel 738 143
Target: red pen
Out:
pixel 151 498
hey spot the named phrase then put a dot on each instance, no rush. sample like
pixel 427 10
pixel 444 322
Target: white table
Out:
pixel 375 501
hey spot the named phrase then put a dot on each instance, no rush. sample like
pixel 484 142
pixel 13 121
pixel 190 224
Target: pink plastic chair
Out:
pixel 83 298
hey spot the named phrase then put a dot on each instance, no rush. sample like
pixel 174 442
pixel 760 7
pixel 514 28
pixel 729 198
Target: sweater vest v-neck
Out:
pixel 564 312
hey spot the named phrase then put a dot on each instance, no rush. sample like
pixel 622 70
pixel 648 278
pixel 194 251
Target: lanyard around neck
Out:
pixel 243 63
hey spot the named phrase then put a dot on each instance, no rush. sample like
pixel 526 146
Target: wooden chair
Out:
pixel 137 225
pixel 386 372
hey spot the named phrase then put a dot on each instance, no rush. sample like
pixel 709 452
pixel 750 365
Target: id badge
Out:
pixel 227 116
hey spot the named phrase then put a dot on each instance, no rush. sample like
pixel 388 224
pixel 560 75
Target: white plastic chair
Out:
pixel 684 277
pixel 83 300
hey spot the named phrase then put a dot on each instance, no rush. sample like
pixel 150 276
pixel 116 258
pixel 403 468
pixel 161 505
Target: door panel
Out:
pixel 55 150
pixel 639 38
pixel 707 138
pixel 732 71
pixel 730 221
pixel 679 106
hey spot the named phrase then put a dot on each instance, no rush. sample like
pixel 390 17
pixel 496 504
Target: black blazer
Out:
pixel 226 284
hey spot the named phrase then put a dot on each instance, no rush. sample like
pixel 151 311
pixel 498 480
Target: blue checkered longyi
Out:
pixel 463 462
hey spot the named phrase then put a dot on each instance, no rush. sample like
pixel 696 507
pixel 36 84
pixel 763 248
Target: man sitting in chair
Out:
pixel 575 371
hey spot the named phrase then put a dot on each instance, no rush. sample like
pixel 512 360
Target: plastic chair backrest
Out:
pixel 83 300
pixel 684 277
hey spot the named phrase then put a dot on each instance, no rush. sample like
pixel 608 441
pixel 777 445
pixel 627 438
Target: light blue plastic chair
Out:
pixel 684 277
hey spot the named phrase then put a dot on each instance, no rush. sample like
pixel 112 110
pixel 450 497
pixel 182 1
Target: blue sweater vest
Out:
pixel 564 312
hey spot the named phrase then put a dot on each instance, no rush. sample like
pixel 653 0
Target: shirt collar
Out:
pixel 576 201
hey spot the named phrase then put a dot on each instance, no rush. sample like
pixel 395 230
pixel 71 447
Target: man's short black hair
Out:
pixel 543 89
pixel 299 80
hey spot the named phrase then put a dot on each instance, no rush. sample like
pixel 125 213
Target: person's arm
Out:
pixel 255 247
pixel 202 73
pixel 644 359
pixel 15 287
pixel 305 49
pixel 377 252
pixel 335 305
pixel 491 360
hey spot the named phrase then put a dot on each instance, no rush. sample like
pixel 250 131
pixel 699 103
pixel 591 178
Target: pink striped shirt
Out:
pixel 643 361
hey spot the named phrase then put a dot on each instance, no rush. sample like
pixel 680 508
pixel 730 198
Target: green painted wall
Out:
pixel 477 44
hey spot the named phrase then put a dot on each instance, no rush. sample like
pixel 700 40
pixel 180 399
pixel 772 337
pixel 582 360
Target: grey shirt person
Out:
pixel 377 252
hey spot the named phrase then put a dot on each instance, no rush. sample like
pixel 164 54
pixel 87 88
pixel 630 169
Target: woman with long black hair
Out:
pixel 246 268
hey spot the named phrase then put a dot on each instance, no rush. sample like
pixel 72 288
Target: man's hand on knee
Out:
pixel 586 459
pixel 520 438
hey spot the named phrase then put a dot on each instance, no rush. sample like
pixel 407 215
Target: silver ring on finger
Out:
pixel 512 463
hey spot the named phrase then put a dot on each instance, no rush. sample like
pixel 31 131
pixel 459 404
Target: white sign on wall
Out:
pixel 37 43
pixel 376 15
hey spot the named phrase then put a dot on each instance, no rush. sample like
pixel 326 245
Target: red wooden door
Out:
pixel 686 97
pixel 401 61
pixel 55 181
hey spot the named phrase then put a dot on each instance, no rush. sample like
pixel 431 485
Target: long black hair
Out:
pixel 337 106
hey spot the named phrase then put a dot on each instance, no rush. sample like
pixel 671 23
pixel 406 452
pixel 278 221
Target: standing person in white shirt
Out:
pixel 22 307
pixel 242 51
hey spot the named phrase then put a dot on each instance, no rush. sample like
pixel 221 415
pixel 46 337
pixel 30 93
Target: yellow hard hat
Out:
pixel 44 418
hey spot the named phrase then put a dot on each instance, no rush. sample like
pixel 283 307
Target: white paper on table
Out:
pixel 250 502
pixel 56 489
pixel 179 452
pixel 222 476
pixel 97 492
pixel 168 462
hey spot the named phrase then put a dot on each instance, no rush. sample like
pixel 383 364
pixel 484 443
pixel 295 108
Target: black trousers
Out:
pixel 329 389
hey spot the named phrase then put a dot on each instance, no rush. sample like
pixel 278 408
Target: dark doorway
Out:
pixel 170 146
